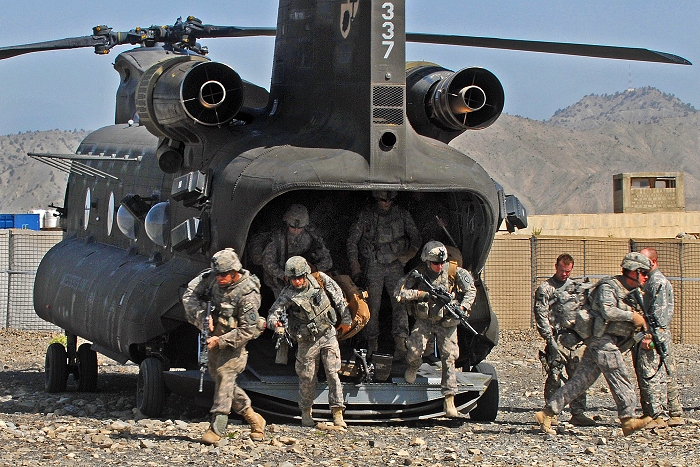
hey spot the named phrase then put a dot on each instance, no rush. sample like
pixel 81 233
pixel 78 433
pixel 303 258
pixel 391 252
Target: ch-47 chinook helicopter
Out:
pixel 199 160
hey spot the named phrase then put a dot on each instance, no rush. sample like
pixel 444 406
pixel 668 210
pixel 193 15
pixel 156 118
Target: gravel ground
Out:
pixel 104 429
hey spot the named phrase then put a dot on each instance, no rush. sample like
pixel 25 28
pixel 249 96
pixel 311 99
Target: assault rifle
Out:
pixel 286 337
pixel 444 298
pixel 203 348
pixel 635 299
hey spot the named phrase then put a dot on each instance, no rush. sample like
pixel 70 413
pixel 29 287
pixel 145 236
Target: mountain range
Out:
pixel 557 166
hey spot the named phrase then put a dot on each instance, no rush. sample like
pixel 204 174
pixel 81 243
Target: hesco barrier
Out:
pixel 20 254
pixel 516 266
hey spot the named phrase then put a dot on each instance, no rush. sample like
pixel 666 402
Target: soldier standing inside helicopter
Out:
pixel 550 298
pixel 235 298
pixel 296 239
pixel 431 317
pixel 313 304
pixel 385 237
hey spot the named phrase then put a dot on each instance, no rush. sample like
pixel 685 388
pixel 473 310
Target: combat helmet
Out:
pixel 634 261
pixel 296 266
pixel 225 260
pixel 434 251
pixel 296 216
pixel 383 194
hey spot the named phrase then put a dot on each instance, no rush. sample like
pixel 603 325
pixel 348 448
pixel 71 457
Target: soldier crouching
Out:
pixel 313 307
pixel 235 296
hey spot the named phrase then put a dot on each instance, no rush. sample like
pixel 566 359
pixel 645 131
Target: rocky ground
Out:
pixel 104 429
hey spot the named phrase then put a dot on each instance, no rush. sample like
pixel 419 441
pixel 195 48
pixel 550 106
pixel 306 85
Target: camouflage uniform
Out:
pixel 656 387
pixel 432 319
pixel 545 298
pixel 602 354
pixel 386 241
pixel 312 315
pixel 283 246
pixel 235 316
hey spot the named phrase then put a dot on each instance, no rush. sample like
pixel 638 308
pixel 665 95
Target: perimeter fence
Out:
pixel 515 268
pixel 518 265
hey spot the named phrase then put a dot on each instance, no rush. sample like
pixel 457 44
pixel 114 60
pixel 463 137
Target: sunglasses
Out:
pixel 385 200
pixel 643 272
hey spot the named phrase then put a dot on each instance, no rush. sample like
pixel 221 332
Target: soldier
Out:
pixel 235 298
pixel 313 308
pixel 614 329
pixel 296 239
pixel 386 238
pixel 657 385
pixel 431 316
pixel 550 298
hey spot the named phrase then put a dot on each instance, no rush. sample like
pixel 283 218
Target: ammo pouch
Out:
pixel 420 310
pixel 570 339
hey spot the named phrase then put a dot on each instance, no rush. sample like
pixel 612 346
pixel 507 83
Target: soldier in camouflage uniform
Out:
pixel 385 238
pixel 431 317
pixel 615 326
pixel 296 239
pixel 235 298
pixel 658 387
pixel 548 300
pixel 312 311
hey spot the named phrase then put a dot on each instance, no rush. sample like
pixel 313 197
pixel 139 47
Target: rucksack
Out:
pixel 572 308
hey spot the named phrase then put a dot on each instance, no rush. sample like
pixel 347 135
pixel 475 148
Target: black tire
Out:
pixel 486 408
pixel 56 368
pixel 150 389
pixel 87 368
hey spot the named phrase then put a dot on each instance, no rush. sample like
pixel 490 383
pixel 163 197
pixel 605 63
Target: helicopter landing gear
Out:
pixel 87 368
pixel 150 388
pixel 486 408
pixel 56 368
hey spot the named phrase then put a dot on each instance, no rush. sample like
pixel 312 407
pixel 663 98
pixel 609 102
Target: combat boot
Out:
pixel 338 417
pixel 579 419
pixel 257 424
pixel 410 374
pixel 449 406
pixel 631 424
pixel 306 418
pixel 217 429
pixel 676 421
pixel 657 422
pixel 399 348
pixel 544 419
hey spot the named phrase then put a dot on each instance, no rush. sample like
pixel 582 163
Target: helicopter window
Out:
pixel 127 223
pixel 110 213
pixel 88 203
pixel 158 223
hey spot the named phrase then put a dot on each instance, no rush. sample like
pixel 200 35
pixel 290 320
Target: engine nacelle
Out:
pixel 179 97
pixel 442 104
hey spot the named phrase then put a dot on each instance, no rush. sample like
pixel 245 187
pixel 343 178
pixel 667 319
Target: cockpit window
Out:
pixel 127 223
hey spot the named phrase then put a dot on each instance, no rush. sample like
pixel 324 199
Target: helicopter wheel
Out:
pixel 486 408
pixel 56 368
pixel 150 389
pixel 87 368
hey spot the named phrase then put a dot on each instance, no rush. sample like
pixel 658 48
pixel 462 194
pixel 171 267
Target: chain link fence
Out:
pixel 20 254
pixel 517 266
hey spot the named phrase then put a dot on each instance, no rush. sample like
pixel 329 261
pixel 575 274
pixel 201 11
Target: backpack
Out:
pixel 572 310
pixel 359 310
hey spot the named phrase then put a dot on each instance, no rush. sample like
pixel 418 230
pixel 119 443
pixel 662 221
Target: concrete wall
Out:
pixel 615 225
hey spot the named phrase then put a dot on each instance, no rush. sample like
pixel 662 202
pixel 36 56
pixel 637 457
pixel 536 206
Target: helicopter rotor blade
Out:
pixel 68 43
pixel 562 48
pixel 210 30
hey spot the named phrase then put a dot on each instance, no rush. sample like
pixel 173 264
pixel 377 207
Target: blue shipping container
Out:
pixel 19 221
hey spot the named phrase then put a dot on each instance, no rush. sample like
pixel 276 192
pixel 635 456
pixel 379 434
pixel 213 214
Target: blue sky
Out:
pixel 75 89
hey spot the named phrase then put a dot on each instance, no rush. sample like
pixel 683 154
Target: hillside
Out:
pixel 562 165
pixel 28 184
pixel 566 164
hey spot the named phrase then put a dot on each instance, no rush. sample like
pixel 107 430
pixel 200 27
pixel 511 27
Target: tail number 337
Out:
pixel 388 28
